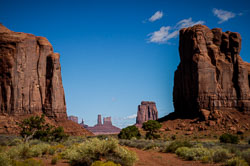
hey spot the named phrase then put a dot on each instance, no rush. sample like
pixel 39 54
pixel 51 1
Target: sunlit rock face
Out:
pixel 30 76
pixel 211 74
pixel 31 82
pixel 146 111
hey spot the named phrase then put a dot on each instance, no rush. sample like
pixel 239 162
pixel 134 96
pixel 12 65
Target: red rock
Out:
pixel 73 118
pixel 211 74
pixel 30 79
pixel 204 114
pixel 105 128
pixel 232 128
pixel 146 111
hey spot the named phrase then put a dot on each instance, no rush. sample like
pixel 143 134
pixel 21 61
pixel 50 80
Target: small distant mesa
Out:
pixel 146 111
pixel 100 128
pixel 73 118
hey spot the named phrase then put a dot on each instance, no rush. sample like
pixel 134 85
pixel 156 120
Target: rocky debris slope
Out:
pixel 218 122
pixel 146 111
pixel 30 79
pixel 211 74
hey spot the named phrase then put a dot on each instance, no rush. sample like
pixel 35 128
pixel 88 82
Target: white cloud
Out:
pixel 131 116
pixel 162 35
pixel 122 122
pixel 158 15
pixel 223 15
pixel 167 32
pixel 187 23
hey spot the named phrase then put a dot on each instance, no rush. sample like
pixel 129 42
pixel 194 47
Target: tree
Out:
pixel 129 132
pixel 152 127
pixel 36 128
pixel 229 138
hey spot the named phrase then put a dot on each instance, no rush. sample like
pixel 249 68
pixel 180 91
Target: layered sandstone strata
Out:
pixel 211 74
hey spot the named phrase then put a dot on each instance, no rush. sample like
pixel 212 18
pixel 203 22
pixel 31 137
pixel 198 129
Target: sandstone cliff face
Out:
pixel 211 74
pixel 30 79
pixel 146 111
pixel 30 82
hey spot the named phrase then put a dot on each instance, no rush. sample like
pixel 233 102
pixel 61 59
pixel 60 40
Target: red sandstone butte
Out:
pixel 211 74
pixel 146 111
pixel 31 82
pixel 105 128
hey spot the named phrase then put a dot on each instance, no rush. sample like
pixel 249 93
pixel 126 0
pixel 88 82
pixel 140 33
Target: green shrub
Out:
pixel 129 133
pixel 39 149
pixel 144 144
pixel 28 162
pixel 54 160
pixel 4 160
pixel 73 140
pixel 246 155
pixel 236 162
pixel 206 159
pixel 102 163
pixel 173 137
pixel 192 153
pixel 152 127
pixel 36 128
pixel 220 155
pixel 94 150
pixel 172 147
pixel 21 151
pixel 229 138
pixel 15 142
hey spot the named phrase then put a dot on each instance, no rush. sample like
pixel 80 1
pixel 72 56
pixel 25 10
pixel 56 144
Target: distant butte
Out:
pixel 105 128
pixel 31 82
pixel 146 111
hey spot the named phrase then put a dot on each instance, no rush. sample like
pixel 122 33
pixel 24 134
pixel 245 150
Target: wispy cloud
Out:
pixel 223 15
pixel 131 116
pixel 122 122
pixel 158 15
pixel 187 23
pixel 167 32
pixel 162 35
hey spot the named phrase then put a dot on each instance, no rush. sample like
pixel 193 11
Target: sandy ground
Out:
pixel 153 158
pixel 147 158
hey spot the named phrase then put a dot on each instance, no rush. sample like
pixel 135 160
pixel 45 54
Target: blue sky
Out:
pixel 114 54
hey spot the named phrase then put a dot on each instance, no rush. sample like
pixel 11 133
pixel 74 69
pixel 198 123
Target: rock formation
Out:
pixel 105 128
pixel 211 85
pixel 146 111
pixel 73 118
pixel 83 125
pixel 211 74
pixel 30 79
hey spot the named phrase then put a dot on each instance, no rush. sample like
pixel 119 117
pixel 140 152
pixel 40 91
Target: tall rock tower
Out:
pixel 146 111
pixel 211 74
pixel 99 119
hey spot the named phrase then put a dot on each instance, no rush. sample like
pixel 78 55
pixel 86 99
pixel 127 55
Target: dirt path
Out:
pixel 153 158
